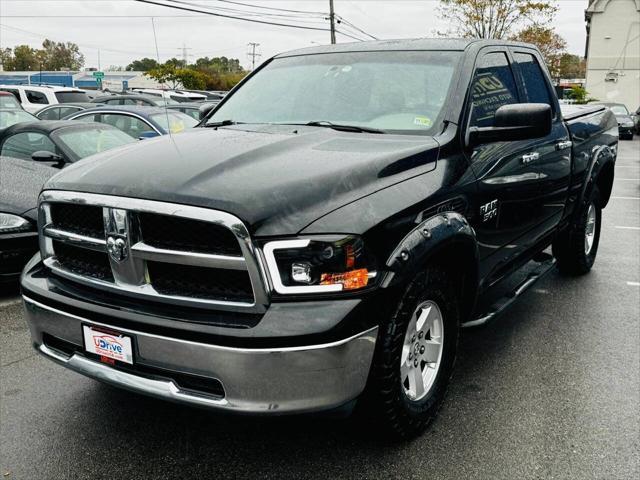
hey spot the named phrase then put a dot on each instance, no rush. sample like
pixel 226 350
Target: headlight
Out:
pixel 319 265
pixel 13 223
pixel 628 124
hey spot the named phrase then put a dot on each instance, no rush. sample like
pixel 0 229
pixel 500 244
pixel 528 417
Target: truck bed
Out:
pixel 573 112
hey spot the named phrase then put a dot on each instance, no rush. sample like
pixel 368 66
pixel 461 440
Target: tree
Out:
pixel 142 65
pixel 580 95
pixel 551 45
pixel 59 55
pixel 21 58
pixel 572 66
pixel 175 77
pixel 494 18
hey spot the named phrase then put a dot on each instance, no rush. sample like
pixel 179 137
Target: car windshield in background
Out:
pixel 11 117
pixel 71 97
pixel 9 101
pixel 89 140
pixel 619 110
pixel 174 122
pixel 395 91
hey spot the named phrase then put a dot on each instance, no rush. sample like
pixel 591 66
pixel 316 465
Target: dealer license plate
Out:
pixel 110 345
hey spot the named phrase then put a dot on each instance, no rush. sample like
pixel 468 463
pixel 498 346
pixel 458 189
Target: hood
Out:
pixel 277 179
pixel 20 185
pixel 624 118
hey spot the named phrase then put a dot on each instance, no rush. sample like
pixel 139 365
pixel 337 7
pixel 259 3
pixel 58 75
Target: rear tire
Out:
pixel 415 355
pixel 575 249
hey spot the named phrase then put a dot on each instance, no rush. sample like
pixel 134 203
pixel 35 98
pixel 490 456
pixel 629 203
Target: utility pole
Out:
pixel 99 60
pixel 185 55
pixel 253 54
pixel 332 21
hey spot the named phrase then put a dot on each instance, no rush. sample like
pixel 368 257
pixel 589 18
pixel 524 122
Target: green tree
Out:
pixel 142 65
pixel 175 77
pixel 551 45
pixel 494 18
pixel 22 57
pixel 59 55
pixel 572 66
pixel 580 95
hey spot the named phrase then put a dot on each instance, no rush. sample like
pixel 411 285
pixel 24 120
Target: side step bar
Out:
pixel 546 263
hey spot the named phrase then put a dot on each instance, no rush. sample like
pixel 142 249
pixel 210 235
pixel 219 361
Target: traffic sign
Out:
pixel 98 74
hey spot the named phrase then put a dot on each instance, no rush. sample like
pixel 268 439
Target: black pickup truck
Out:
pixel 319 241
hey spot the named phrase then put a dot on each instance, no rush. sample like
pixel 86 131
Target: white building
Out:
pixel 613 51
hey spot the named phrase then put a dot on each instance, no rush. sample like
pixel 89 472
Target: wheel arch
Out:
pixel 445 240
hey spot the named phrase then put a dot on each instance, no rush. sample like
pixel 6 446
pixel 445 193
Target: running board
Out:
pixel 505 302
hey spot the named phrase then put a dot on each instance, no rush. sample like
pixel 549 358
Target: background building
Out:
pixel 114 81
pixel 613 51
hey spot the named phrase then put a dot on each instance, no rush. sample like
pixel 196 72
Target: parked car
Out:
pixel 324 234
pixel 176 95
pixel 11 116
pixel 59 142
pixel 7 100
pixel 210 95
pixel 18 213
pixel 636 120
pixel 34 97
pixel 626 125
pixel 196 110
pixel 56 112
pixel 138 122
pixel 133 100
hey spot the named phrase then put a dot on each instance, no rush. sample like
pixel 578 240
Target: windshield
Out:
pixel 89 140
pixel 619 110
pixel 397 92
pixel 9 101
pixel 70 97
pixel 11 117
pixel 174 122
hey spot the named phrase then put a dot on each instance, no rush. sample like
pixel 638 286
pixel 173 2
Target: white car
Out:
pixel 177 95
pixel 34 97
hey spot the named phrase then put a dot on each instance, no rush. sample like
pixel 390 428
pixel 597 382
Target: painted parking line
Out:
pixel 627 228
pixel 628 179
pixel 626 198
pixel 633 284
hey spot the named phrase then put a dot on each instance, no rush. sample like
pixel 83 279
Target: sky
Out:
pixel 114 32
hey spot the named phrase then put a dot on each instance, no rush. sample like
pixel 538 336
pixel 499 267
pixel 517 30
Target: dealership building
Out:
pixel 613 51
pixel 115 81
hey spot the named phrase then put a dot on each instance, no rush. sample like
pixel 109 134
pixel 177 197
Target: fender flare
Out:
pixel 424 241
pixel 602 156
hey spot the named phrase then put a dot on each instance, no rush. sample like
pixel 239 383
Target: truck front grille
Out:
pixel 157 251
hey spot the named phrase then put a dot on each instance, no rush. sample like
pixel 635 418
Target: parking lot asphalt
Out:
pixel 549 390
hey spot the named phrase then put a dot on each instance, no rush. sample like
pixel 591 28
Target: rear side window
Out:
pixel 49 114
pixel 493 86
pixel 535 83
pixel 36 97
pixel 69 97
pixel 113 101
pixel 64 111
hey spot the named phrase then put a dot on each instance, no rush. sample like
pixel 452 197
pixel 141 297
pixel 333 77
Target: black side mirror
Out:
pixel 206 109
pixel 520 121
pixel 45 156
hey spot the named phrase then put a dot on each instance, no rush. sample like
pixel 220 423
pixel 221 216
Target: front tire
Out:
pixel 415 355
pixel 575 250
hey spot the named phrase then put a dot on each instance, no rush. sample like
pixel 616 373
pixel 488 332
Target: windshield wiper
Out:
pixel 222 123
pixel 344 128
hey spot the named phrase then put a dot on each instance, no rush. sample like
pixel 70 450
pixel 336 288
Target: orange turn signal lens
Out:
pixel 349 280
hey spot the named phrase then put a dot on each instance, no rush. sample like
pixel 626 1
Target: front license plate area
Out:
pixel 108 345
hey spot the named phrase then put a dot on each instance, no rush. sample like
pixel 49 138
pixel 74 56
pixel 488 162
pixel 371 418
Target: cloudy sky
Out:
pixel 122 29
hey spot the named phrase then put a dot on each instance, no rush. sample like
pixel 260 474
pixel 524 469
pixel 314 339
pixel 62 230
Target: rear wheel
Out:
pixel 576 249
pixel 415 356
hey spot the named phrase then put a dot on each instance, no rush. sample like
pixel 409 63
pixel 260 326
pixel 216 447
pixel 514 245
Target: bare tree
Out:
pixel 494 18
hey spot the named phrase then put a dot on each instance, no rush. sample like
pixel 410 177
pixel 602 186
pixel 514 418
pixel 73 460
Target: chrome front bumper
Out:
pixel 257 381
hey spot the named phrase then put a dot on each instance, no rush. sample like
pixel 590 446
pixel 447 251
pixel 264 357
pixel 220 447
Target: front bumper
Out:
pixel 625 130
pixel 252 380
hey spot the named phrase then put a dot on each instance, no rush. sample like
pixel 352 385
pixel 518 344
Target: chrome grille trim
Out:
pixel 131 277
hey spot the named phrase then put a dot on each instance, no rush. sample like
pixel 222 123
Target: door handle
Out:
pixel 530 157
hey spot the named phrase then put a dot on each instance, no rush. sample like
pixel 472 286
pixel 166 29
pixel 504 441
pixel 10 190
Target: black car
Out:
pixel 626 125
pixel 322 236
pixel 133 99
pixel 61 110
pixel 59 142
pixel 21 184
